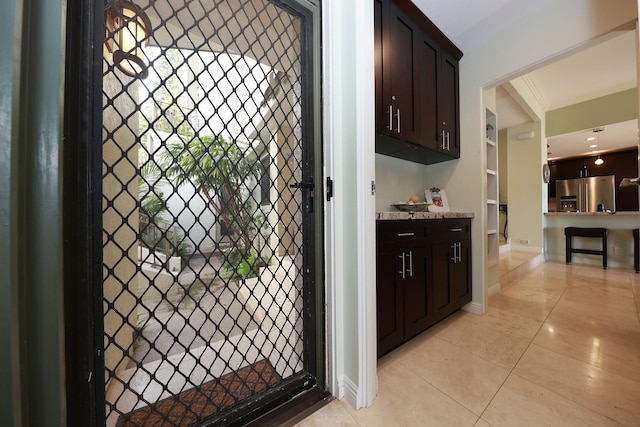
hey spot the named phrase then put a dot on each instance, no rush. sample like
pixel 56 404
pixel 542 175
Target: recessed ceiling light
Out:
pixel 591 138
pixel 593 145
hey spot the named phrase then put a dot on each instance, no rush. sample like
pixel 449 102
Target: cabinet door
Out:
pixel 451 265
pixel 396 66
pixel 417 307
pixel 390 316
pixel 570 168
pixel 403 96
pixel 462 275
pixel 442 273
pixel 448 107
pixel 428 54
pixel 626 166
pixel 381 67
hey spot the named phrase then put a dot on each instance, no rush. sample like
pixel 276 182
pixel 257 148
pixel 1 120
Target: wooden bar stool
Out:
pixel 600 233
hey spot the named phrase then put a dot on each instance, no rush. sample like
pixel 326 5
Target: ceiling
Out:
pixel 601 69
pixel 463 20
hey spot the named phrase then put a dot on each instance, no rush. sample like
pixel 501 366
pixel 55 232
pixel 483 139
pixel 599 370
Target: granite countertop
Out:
pixel 421 215
pixel 626 213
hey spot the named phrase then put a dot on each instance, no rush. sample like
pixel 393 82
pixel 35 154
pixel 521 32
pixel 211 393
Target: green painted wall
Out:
pixel 9 389
pixel 526 190
pixel 31 319
pixel 615 108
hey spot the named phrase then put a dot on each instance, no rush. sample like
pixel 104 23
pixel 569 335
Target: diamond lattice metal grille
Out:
pixel 202 234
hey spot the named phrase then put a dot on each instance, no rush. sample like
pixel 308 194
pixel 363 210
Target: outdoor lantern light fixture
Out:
pixel 127 31
pixel 599 160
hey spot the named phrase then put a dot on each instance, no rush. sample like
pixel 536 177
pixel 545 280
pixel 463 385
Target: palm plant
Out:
pixel 220 170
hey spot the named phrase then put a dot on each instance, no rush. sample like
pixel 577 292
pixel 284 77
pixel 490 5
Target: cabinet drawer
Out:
pixel 451 229
pixel 401 230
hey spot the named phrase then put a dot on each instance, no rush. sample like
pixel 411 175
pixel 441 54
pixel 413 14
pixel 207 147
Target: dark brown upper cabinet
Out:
pixel 622 164
pixel 438 98
pixel 398 110
pixel 417 93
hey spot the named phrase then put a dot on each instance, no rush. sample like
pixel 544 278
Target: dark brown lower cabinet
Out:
pixel 451 266
pixel 423 275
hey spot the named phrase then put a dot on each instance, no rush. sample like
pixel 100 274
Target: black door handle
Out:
pixel 307 196
pixel 304 184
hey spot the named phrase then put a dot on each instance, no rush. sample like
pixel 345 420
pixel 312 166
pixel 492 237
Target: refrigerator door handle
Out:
pixel 579 202
pixel 586 197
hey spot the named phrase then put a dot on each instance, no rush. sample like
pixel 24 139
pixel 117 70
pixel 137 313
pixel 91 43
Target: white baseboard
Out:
pixel 348 391
pixel 527 248
pixel 475 308
pixel 494 289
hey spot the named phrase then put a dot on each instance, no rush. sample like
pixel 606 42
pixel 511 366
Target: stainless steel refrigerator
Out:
pixel 591 194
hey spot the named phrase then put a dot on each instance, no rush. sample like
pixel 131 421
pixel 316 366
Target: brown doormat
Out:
pixel 199 403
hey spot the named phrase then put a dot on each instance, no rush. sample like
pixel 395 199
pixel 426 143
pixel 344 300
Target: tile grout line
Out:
pixel 560 354
pixel 528 345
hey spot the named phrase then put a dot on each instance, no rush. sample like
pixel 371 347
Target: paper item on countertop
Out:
pixel 437 200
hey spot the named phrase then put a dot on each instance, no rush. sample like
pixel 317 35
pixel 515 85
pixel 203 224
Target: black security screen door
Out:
pixel 210 294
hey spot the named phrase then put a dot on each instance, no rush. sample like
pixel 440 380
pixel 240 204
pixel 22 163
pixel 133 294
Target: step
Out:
pixel 522 269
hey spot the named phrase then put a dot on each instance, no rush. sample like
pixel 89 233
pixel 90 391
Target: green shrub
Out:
pixel 237 265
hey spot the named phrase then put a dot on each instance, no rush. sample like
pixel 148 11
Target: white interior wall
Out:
pixel 397 180
pixel 525 192
pixel 349 125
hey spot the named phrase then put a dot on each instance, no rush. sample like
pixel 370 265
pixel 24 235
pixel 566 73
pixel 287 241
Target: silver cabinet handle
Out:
pixel 405 234
pixel 457 252
pixel 403 266
pixel 410 264
pixel 390 127
pixel 455 230
pixel 444 145
pixel 448 141
pixel 398 120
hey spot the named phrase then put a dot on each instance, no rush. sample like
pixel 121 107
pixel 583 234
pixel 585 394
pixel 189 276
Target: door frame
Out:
pixel 82 219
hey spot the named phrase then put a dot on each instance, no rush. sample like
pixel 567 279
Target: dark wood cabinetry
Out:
pixel 438 98
pixel 397 102
pixel 581 167
pixel 448 106
pixel 423 275
pixel 451 266
pixel 621 164
pixel 626 166
pixel 402 300
pixel 417 110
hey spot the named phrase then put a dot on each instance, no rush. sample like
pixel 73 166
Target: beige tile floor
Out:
pixel 559 346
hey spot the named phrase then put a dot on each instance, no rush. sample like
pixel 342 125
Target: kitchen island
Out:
pixel 620 236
